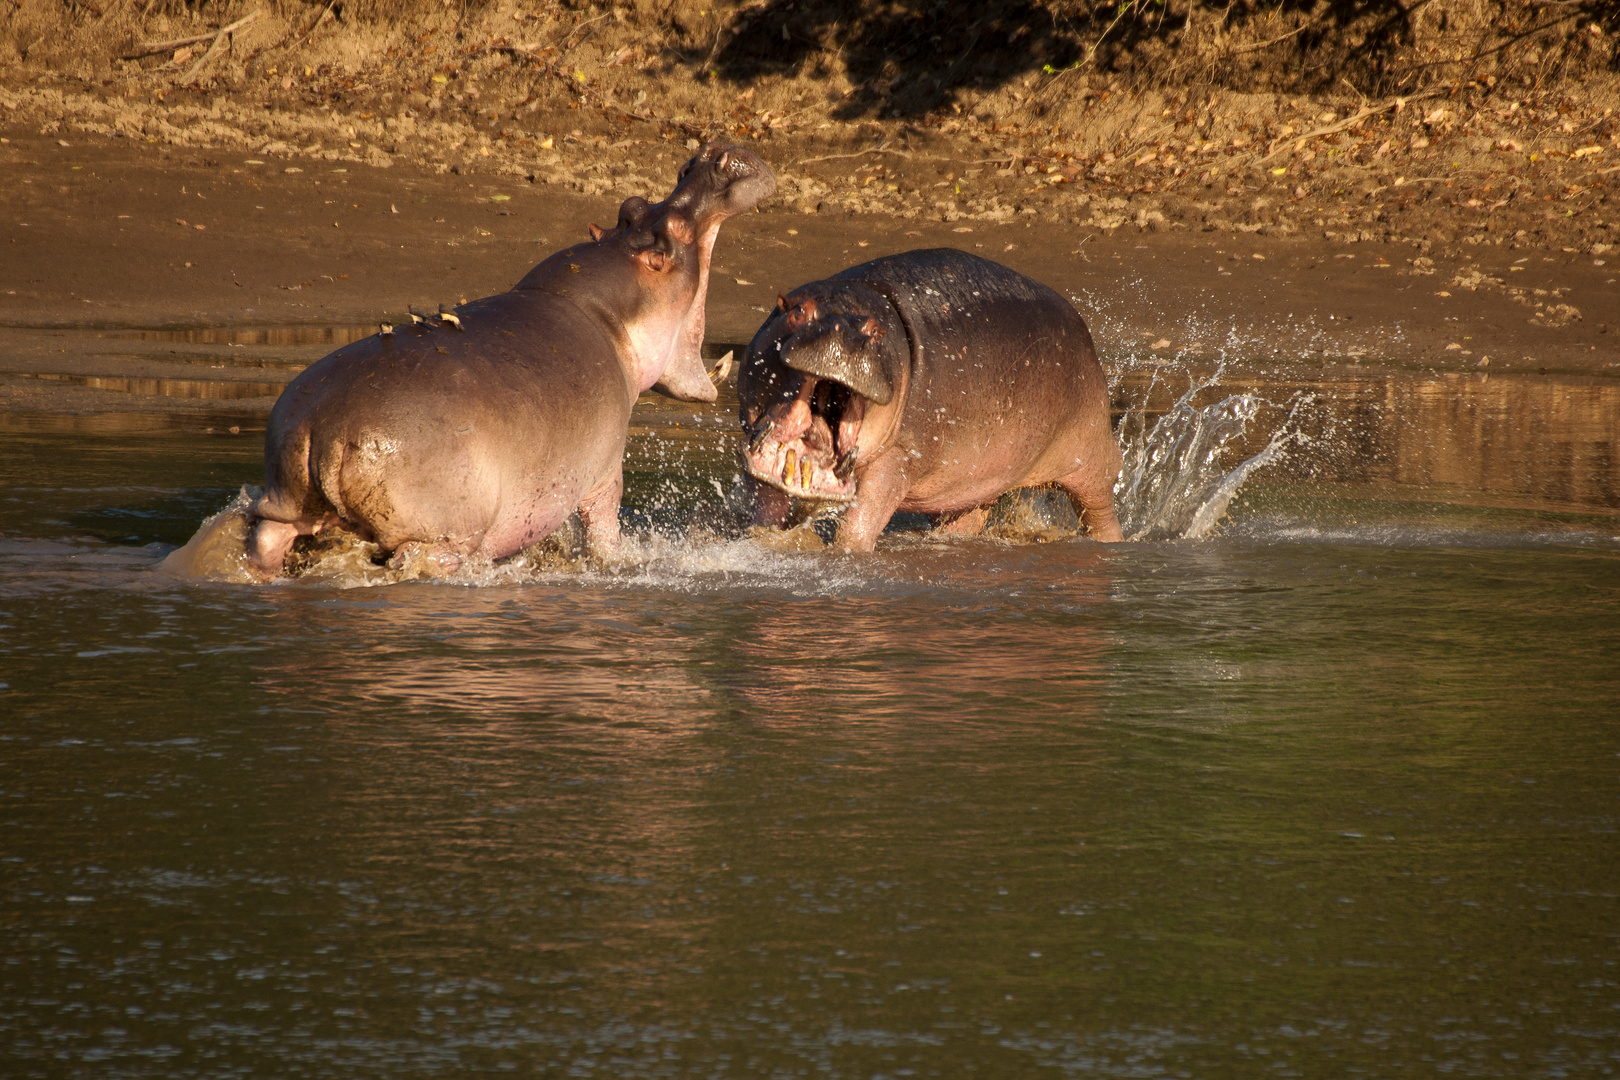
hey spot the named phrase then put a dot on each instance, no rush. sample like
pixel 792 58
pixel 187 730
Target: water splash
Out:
pixel 1175 483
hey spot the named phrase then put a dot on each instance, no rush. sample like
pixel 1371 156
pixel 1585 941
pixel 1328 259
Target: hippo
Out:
pixel 482 431
pixel 932 381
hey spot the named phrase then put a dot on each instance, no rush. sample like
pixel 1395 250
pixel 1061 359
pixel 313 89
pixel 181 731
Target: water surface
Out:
pixel 1330 790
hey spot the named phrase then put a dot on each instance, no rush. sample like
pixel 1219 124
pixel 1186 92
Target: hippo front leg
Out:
pixel 599 513
pixel 881 487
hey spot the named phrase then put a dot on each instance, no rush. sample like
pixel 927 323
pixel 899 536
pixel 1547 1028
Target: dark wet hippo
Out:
pixel 485 431
pixel 933 381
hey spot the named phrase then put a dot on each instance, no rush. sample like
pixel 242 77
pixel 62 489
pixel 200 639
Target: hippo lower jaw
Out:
pixel 809 446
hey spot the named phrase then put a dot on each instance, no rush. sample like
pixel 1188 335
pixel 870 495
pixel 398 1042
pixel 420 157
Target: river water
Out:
pixel 1318 776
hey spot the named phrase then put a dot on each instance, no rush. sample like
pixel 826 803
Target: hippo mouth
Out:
pixel 807 446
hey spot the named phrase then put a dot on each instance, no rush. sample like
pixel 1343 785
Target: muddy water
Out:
pixel 1326 788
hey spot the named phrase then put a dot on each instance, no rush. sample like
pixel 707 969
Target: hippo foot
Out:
pixel 800 538
pixel 969 522
pixel 416 559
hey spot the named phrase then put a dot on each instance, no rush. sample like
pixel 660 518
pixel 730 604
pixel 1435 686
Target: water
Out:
pixel 1329 791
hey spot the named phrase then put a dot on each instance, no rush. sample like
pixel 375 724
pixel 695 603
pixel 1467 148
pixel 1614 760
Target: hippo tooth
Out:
pixel 843 468
pixel 807 473
pixel 790 467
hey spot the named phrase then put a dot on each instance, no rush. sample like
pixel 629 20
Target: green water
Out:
pixel 1331 793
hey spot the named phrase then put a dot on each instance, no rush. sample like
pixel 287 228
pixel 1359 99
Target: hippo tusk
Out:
pixel 718 373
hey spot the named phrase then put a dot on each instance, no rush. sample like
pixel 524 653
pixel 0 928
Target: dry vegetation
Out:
pixel 1439 121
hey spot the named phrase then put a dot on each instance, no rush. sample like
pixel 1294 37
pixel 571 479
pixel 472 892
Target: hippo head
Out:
pixel 655 311
pixel 816 373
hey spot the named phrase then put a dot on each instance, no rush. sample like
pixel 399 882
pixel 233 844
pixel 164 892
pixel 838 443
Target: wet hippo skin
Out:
pixel 483 431
pixel 932 381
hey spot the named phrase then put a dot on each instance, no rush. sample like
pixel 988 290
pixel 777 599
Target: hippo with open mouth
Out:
pixel 481 432
pixel 932 381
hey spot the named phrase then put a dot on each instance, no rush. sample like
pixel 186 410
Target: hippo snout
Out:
pixel 725 179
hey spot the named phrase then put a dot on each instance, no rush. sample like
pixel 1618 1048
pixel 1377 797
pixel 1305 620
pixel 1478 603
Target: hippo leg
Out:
pixel 969 522
pixel 1093 499
pixel 771 505
pixel 426 559
pixel 599 513
pixel 268 544
pixel 882 486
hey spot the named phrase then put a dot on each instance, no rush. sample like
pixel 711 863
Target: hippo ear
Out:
pixel 826 356
pixel 653 259
pixel 872 330
pixel 633 211
pixel 801 315
pixel 678 229
pixel 781 302
pixel 596 231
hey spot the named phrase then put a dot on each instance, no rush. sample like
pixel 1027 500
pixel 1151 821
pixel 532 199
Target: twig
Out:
pixel 196 69
pixel 881 148
pixel 1274 41
pixel 318 20
pixel 1298 142
pixel 147 48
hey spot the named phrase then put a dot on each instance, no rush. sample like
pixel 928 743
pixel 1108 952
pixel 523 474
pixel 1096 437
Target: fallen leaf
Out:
pixel 963 228
pixel 500 198
pixel 547 143
pixel 1452 346
pixel 1162 343
pixel 742 281
pixel 199 228
pixel 1259 256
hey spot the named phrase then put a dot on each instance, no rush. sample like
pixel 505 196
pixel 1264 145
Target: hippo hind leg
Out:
pixel 268 543
pixel 436 559
pixel 1092 493
pixel 969 522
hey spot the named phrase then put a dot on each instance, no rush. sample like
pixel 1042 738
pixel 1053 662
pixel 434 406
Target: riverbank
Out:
pixel 109 236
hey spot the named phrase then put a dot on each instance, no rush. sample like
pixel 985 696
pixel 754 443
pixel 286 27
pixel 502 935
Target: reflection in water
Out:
pixel 208 389
pixel 278 335
pixel 1518 440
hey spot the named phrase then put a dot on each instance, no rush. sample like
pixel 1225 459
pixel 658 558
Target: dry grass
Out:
pixel 1288 117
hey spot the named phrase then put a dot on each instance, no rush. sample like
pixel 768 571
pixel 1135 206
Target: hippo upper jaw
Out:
pixel 721 181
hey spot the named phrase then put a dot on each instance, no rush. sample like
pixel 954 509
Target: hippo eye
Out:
pixel 725 160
